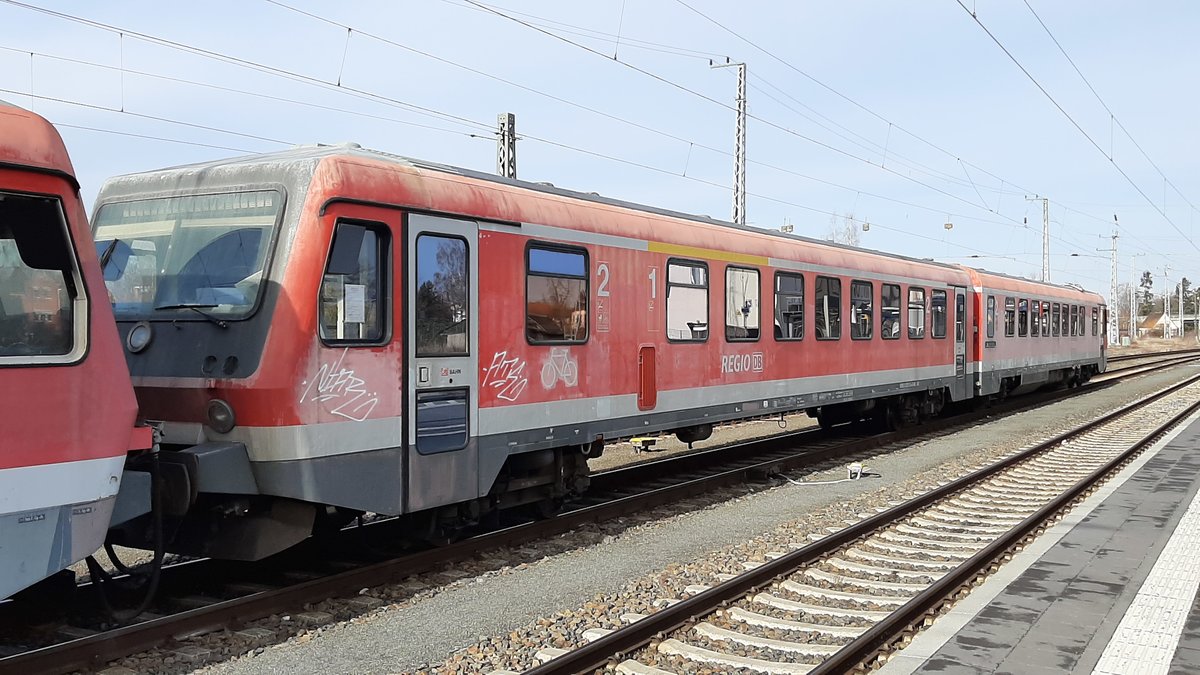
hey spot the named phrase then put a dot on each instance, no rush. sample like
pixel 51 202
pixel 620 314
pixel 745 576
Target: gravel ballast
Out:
pixel 500 619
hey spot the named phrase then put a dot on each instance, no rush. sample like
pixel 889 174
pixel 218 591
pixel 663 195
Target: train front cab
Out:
pixel 67 405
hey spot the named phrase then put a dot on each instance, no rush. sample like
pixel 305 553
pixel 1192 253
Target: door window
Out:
pixel 938 309
pixel 441 309
pixel 991 317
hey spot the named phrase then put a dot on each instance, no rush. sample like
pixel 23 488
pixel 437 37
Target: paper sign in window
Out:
pixel 355 303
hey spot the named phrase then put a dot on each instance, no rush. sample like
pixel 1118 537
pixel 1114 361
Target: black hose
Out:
pixel 101 578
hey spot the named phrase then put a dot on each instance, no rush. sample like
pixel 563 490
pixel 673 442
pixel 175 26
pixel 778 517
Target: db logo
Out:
pixel 445 372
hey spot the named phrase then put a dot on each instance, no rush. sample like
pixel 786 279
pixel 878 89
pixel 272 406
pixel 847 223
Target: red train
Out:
pixel 328 331
pixel 67 410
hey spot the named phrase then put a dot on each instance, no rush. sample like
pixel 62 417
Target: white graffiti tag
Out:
pixel 507 375
pixel 340 385
pixel 560 366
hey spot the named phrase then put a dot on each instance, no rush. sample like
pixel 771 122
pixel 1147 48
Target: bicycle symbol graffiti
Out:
pixel 560 366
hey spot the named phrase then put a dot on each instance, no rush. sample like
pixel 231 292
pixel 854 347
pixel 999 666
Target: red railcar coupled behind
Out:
pixel 328 330
pixel 67 409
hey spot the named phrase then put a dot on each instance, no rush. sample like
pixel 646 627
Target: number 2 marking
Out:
pixel 602 288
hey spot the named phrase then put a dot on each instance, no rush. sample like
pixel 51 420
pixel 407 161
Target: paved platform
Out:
pixel 1110 589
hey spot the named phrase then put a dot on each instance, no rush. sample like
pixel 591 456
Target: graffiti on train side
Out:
pixel 506 375
pixel 339 386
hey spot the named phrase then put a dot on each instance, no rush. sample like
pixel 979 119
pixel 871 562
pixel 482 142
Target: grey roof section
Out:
pixel 315 153
pixel 1065 287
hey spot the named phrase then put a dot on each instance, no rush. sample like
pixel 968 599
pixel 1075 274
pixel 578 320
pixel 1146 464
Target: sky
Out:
pixel 903 117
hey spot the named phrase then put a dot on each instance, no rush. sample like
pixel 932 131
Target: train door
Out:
pixel 443 337
pixel 960 341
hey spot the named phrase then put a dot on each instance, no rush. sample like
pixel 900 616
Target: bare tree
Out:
pixel 844 230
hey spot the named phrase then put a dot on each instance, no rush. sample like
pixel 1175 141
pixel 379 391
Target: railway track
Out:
pixel 845 600
pixel 208 595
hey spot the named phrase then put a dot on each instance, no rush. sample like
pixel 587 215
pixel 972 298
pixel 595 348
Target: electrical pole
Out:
pixel 1133 304
pixel 1167 302
pixel 1045 235
pixel 739 144
pixel 1114 326
pixel 506 145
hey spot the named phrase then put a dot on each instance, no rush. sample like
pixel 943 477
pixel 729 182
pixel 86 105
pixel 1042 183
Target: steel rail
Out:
pixel 106 646
pixel 638 634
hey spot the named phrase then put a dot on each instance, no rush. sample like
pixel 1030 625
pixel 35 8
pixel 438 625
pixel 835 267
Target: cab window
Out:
pixel 353 289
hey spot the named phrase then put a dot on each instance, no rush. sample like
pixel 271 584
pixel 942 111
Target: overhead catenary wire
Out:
pixel 754 45
pixel 1075 124
pixel 372 96
pixel 1107 109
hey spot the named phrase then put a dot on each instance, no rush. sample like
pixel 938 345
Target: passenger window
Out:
pixel 938 310
pixel 829 308
pixel 742 294
pixel 38 292
pixel 889 309
pixel 556 295
pixel 1074 320
pixel 1095 322
pixel 789 306
pixel 1054 320
pixel 354 290
pixel 687 301
pixel 1066 320
pixel 916 313
pixel 991 317
pixel 1045 319
pixel 1022 317
pixel 861 314
pixel 1010 316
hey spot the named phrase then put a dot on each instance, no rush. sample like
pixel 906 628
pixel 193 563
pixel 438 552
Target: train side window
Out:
pixel 1095 322
pixel 938 312
pixel 916 313
pixel 687 301
pixel 1022 317
pixel 556 295
pixel 829 308
pixel 861 313
pixel 889 309
pixel 991 317
pixel 43 312
pixel 789 306
pixel 1054 320
pixel 1045 319
pixel 354 289
pixel 1066 319
pixel 1074 320
pixel 441 311
pixel 1010 316
pixel 742 309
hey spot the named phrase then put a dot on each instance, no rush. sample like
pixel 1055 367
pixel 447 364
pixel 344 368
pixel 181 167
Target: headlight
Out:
pixel 220 416
pixel 139 337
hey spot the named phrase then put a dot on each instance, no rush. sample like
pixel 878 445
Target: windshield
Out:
pixel 176 253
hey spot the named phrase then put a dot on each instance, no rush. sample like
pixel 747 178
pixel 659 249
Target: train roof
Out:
pixel 305 158
pixel 1030 285
pixel 302 161
pixel 27 140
